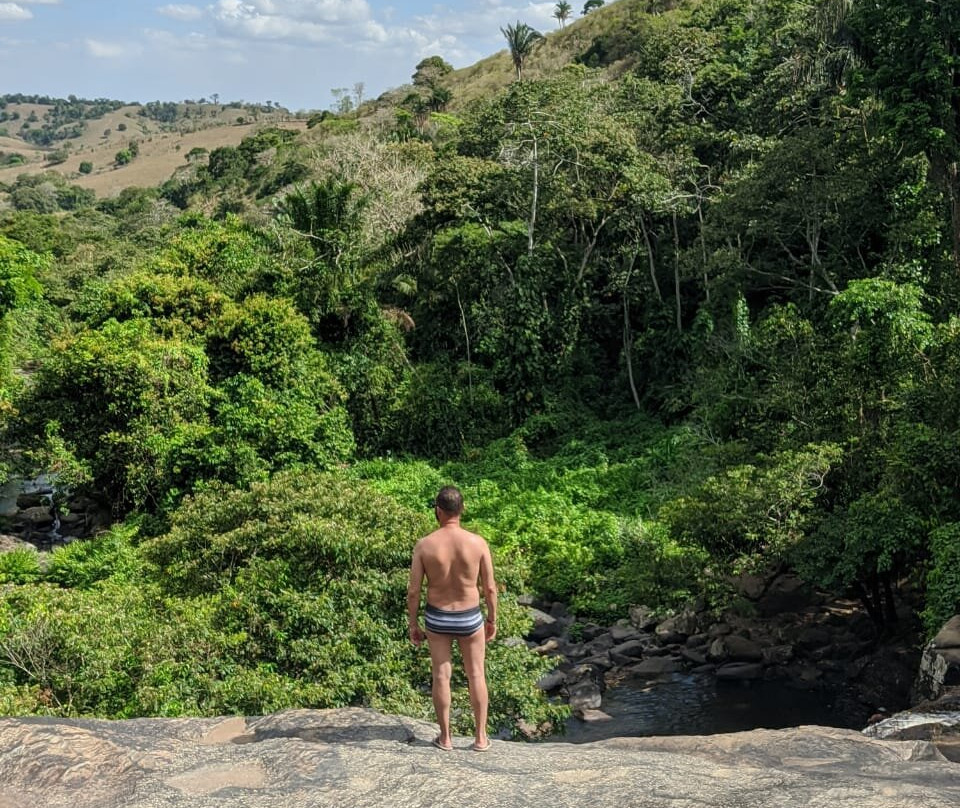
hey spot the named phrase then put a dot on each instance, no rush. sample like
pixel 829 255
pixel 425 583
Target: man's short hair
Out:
pixel 449 500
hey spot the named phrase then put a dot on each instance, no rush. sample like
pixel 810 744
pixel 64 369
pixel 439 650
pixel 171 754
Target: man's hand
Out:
pixel 489 630
pixel 416 635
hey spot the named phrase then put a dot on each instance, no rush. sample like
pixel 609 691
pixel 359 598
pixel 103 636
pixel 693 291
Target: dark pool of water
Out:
pixel 692 704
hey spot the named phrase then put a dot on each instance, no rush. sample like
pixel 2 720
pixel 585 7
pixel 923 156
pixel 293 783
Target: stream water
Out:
pixel 698 704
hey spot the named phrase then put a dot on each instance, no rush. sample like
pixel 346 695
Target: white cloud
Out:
pixel 14 11
pixel 109 50
pixel 182 12
pixel 311 21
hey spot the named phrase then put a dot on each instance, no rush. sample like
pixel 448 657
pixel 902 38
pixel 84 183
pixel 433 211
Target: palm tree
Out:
pixel 520 39
pixel 562 12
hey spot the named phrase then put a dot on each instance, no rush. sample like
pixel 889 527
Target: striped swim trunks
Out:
pixel 460 624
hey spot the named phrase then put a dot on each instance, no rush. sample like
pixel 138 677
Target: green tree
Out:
pixel 590 5
pixel 430 71
pixel 912 61
pixel 562 12
pixel 521 39
pixel 128 405
pixel 328 215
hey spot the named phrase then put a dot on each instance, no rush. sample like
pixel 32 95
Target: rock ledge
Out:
pixel 359 758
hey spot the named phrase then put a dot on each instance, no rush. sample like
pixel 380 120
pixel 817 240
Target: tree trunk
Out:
pixel 945 175
pixel 628 335
pixel 676 272
pixel 653 266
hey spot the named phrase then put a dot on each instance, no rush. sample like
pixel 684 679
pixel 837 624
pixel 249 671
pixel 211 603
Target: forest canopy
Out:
pixel 680 308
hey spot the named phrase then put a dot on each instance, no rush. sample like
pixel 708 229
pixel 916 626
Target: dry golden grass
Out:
pixel 161 149
pixel 558 49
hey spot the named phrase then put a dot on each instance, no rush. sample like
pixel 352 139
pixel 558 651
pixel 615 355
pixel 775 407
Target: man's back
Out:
pixel 452 561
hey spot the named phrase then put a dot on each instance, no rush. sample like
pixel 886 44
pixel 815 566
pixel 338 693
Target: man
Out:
pixel 453 560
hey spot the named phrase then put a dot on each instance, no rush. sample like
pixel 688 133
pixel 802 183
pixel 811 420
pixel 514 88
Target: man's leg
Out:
pixel 440 648
pixel 473 650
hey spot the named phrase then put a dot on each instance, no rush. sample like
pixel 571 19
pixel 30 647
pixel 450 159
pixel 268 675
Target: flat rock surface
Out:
pixel 355 758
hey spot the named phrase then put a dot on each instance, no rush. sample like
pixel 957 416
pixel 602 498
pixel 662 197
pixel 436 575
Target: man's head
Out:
pixel 449 500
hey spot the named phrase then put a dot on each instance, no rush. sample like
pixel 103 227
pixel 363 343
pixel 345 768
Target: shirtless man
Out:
pixel 453 560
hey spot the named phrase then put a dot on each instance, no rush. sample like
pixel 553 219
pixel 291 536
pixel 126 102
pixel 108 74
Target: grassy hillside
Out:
pixel 61 135
pixel 613 21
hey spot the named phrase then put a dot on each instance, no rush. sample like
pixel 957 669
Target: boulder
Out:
pixel 937 721
pixel 621 633
pixel 544 626
pixel 669 631
pixel 37 518
pixel 735 648
pixel 740 671
pixel 655 666
pixel 632 649
pixel 552 681
pixel 598 645
pixel 35 499
pixel 584 695
pixel 363 759
pixel 693 656
pixel 643 617
pixel 940 663
pixel 9 543
pixel 594 716
pixel 777 655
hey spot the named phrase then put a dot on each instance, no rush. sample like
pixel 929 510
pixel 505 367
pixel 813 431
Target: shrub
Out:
pixel 943 580
pixel 86 167
pixel 19 566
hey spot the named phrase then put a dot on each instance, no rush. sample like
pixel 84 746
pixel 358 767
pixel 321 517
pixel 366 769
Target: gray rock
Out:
pixel 655 666
pixel 678 627
pixel 741 649
pixel 590 631
pixel 740 671
pixel 552 681
pixel 602 661
pixel 940 663
pixel 936 721
pixel 361 759
pixel 544 626
pixel 693 656
pixel 594 716
pixel 631 648
pixel 698 641
pixel 585 695
pixel 778 655
pixel 34 499
pixel 37 518
pixel 643 617
pixel 622 633
pixel 600 644
pixel 9 543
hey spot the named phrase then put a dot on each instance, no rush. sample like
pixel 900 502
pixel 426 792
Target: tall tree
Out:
pixel 912 62
pixel 562 12
pixel 590 5
pixel 520 39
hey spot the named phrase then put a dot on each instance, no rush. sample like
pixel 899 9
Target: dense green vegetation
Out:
pixel 684 308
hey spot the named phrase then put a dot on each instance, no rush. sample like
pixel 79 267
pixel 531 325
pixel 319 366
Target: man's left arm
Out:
pixel 413 597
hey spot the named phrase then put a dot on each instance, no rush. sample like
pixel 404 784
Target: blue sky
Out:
pixel 290 51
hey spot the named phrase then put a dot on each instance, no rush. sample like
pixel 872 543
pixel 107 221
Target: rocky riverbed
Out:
pixel 781 632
